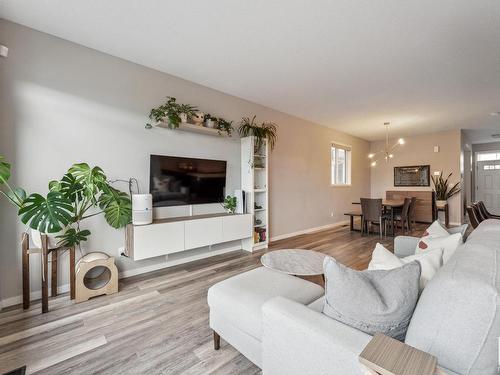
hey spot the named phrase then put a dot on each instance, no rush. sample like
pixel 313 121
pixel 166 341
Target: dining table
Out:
pixel 390 205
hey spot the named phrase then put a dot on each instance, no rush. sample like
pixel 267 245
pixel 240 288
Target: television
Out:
pixel 175 181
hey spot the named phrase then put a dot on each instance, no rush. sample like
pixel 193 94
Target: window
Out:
pixel 341 164
pixel 488 156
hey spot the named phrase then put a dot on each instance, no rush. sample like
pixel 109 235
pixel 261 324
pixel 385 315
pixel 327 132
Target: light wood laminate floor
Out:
pixel 157 323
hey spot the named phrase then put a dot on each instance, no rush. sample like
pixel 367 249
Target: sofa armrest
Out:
pixel 404 246
pixel 298 340
pixel 462 229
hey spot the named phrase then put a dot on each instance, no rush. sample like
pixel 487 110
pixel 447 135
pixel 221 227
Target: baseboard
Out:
pixel 16 300
pixel 310 230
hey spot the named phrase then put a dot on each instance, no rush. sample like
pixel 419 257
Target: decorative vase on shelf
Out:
pixel 210 123
pixel 198 118
pixel 184 117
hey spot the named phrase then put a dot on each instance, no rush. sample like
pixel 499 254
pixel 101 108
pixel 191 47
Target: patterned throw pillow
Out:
pixel 436 237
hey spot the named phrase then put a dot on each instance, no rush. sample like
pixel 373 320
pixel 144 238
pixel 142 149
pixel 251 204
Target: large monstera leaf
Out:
pixel 91 179
pixel 4 170
pixel 73 237
pixel 116 205
pixel 69 187
pixel 47 215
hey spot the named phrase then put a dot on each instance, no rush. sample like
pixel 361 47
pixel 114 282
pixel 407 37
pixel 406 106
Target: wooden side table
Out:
pixel 45 251
pixel 386 356
pixel 446 211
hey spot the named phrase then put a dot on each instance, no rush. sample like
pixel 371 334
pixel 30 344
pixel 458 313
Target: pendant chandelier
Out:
pixel 387 151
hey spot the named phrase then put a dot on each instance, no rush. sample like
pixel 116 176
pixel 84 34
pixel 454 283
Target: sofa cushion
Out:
pixel 456 318
pixel 430 261
pixel 448 243
pixel 372 301
pixel 240 298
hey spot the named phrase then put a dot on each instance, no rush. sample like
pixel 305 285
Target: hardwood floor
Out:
pixel 157 323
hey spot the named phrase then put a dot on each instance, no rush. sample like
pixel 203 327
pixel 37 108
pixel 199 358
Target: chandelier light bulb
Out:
pixel 370 156
pixel 374 164
pixel 391 156
pixel 401 141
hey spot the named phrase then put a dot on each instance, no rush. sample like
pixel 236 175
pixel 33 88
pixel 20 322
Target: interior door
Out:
pixel 488 184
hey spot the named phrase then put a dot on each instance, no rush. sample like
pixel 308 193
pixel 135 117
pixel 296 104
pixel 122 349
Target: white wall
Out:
pixel 62 103
pixel 419 150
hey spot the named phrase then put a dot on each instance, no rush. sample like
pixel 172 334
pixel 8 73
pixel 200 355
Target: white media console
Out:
pixel 173 235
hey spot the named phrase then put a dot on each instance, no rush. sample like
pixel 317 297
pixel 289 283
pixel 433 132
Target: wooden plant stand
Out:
pixel 45 251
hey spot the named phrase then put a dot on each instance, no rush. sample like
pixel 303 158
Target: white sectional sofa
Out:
pixel 275 320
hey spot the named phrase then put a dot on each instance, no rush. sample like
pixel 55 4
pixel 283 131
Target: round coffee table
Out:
pixel 294 262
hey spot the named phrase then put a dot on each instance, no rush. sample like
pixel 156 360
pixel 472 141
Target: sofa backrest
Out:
pixel 457 317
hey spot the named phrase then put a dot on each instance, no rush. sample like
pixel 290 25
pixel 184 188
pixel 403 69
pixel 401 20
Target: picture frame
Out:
pixel 413 175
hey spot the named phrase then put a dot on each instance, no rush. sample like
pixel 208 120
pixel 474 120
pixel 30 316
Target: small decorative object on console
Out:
pixel 230 204
pixel 142 209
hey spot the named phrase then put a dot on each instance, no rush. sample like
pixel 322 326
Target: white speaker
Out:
pixel 142 209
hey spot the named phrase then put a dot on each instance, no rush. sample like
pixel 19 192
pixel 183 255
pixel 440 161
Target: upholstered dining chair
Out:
pixel 412 213
pixel 372 213
pixel 481 217
pixel 474 220
pixel 484 211
pixel 403 217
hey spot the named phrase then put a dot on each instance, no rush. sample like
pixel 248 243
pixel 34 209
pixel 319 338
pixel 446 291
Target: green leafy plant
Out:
pixel 442 187
pixel 230 204
pixel 264 131
pixel 224 126
pixel 83 192
pixel 188 109
pixel 169 112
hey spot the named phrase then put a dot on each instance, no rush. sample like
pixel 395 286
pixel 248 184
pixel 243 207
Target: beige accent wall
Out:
pixel 63 103
pixel 419 150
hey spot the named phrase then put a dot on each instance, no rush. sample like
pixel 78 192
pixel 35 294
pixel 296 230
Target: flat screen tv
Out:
pixel 175 181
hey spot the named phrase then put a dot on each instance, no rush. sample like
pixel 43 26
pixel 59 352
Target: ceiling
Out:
pixel 423 65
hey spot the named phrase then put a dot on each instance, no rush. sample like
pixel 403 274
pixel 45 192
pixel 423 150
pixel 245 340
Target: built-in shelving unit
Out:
pixel 254 181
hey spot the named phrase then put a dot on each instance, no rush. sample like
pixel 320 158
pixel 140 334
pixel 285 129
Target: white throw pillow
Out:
pixel 430 262
pixel 436 230
pixel 448 243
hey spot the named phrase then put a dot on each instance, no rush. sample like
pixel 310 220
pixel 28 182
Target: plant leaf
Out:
pixel 73 237
pixel 4 170
pixel 47 215
pixel 116 205
pixel 89 178
pixel 16 196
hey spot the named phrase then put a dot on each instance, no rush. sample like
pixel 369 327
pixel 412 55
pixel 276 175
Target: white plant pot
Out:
pixel 210 124
pixel 441 203
pixel 184 117
pixel 36 237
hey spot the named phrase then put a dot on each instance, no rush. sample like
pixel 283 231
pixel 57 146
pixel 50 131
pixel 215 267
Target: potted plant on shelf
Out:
pixel 264 131
pixel 186 112
pixel 230 204
pixel 210 121
pixel 83 192
pixel 444 190
pixel 224 126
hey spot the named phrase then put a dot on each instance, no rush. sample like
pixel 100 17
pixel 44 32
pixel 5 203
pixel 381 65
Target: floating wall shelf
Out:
pixel 195 129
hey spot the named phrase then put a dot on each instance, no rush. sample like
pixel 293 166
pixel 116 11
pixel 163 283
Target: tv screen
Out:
pixel 175 181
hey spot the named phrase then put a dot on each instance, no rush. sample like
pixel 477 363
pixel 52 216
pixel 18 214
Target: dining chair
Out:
pixel 403 216
pixel 474 220
pixel 412 217
pixel 478 212
pixel 484 211
pixel 372 213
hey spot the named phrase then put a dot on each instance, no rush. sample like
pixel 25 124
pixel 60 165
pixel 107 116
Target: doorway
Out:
pixel 488 180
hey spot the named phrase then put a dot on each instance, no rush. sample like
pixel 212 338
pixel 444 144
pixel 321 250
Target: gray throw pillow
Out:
pixel 372 300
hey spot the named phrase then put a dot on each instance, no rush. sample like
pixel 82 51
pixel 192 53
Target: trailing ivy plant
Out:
pixel 224 126
pixel 168 111
pixel 261 132
pixel 82 192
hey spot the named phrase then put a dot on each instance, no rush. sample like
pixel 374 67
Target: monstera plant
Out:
pixel 81 193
